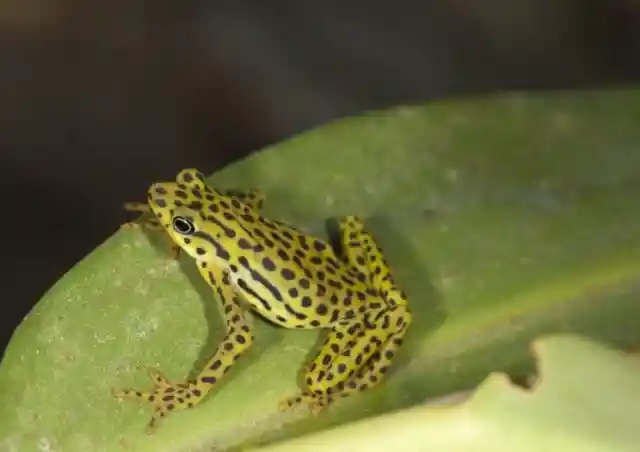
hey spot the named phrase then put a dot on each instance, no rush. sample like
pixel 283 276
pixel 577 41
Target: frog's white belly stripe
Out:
pixel 256 289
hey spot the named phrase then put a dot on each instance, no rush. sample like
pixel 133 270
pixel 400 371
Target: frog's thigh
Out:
pixel 347 353
pixel 364 253
pixel 354 241
pixel 372 373
pixel 340 338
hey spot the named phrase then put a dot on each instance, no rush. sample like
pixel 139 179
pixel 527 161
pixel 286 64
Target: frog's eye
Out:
pixel 183 226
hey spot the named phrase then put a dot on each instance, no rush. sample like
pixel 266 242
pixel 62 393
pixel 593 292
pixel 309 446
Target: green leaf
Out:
pixel 503 219
pixel 587 399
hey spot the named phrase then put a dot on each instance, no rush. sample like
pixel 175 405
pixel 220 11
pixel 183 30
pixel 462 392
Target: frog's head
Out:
pixel 198 218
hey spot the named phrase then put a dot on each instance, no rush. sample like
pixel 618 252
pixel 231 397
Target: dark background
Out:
pixel 98 99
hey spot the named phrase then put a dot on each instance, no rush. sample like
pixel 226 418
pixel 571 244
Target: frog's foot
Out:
pixel 130 225
pixel 149 222
pixel 145 220
pixel 314 402
pixel 165 397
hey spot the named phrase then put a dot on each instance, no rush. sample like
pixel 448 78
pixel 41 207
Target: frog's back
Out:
pixel 293 278
pixel 290 277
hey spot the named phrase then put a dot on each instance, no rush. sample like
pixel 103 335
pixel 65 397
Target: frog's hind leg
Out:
pixel 319 376
pixel 363 253
pixel 358 351
pixel 368 347
pixel 372 373
pixel 355 357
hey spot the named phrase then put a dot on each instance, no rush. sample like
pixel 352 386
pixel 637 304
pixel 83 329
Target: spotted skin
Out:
pixel 289 277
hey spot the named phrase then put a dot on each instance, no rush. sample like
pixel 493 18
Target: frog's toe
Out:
pixel 130 225
pixel 289 403
pixel 129 394
pixel 165 397
pixel 315 403
pixel 160 408
pixel 139 207
pixel 160 380
pixel 316 407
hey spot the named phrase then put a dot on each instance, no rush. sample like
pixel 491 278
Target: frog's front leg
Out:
pixel 168 396
pixel 146 220
pixel 149 222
